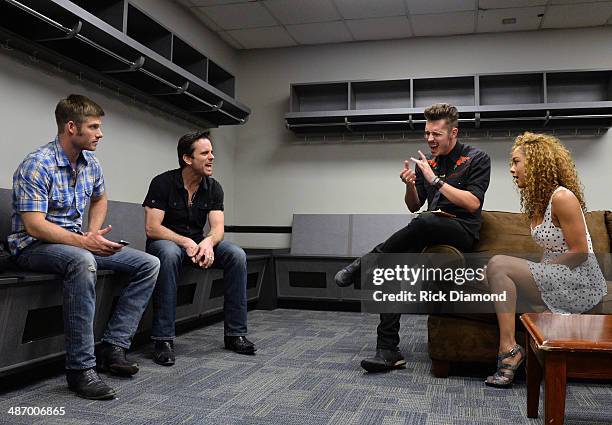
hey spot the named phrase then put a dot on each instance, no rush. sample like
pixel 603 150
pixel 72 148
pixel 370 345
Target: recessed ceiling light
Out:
pixel 509 21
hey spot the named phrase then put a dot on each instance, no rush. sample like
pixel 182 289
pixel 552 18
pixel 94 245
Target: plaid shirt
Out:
pixel 45 182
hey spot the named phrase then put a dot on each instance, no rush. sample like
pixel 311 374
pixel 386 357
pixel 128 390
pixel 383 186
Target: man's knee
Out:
pixel 235 254
pixel 82 261
pixel 167 252
pixel 151 263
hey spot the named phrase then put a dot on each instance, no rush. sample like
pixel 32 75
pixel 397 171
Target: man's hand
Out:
pixel 407 175
pixel 191 248
pixel 422 163
pixel 96 243
pixel 205 257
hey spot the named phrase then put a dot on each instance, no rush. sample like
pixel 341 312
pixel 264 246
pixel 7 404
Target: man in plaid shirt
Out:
pixel 51 189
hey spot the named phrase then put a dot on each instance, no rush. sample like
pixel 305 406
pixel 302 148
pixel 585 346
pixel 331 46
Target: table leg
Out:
pixel 534 378
pixel 555 385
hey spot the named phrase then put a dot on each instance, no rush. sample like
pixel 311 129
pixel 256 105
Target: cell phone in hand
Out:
pixel 124 243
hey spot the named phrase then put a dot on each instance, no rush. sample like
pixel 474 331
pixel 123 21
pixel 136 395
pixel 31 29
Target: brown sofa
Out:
pixel 473 338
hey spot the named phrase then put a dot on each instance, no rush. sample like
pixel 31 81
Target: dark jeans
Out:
pixel 228 256
pixel 424 230
pixel 78 267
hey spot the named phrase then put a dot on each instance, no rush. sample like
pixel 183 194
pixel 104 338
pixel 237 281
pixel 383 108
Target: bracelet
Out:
pixel 437 182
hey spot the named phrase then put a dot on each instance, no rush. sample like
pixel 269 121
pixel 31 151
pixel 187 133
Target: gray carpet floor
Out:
pixel 305 372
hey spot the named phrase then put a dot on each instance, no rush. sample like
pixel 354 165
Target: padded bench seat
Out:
pixel 322 244
pixel 31 315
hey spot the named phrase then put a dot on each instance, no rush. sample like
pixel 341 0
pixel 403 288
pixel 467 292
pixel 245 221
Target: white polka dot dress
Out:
pixel 565 290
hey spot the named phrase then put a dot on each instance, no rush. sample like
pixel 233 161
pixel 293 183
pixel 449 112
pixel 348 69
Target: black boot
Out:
pixel 87 384
pixel 348 275
pixel 239 344
pixel 112 359
pixel 383 361
pixel 163 354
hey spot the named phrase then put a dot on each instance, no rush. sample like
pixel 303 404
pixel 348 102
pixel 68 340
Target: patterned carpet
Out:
pixel 305 372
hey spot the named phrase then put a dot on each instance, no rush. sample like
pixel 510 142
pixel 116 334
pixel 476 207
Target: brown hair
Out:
pixel 185 144
pixel 548 165
pixel 443 111
pixel 76 108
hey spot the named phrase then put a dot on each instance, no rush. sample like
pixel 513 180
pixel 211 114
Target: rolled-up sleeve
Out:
pixel 479 175
pixel 216 197
pixel 98 181
pixel 31 184
pixel 157 196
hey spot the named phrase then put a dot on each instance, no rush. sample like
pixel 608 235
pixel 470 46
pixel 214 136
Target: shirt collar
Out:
pixel 62 158
pixel 178 181
pixel 455 153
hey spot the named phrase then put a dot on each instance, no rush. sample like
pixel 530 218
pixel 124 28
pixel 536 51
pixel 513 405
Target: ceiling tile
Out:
pixel 319 33
pixel 216 2
pixel 577 15
pixel 443 24
pixel 261 38
pixel 302 11
pixel 204 18
pixel 508 4
pixel 526 19
pixel 422 7
pixel 240 15
pixel 380 28
pixel 361 9
pixel 230 40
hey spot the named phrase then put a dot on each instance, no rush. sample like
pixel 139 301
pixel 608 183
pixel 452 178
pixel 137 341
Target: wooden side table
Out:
pixel 564 346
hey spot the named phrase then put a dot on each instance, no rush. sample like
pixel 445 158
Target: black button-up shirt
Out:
pixel 167 192
pixel 466 168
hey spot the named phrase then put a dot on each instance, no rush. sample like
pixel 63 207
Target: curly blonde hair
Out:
pixel 548 164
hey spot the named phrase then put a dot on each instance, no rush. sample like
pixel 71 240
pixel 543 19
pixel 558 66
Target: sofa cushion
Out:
pixel 596 222
pixel 505 233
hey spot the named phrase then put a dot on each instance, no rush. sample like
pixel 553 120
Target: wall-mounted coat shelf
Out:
pixel 118 46
pixel 534 100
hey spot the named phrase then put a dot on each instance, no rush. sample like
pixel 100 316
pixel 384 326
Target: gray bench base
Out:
pixel 31 324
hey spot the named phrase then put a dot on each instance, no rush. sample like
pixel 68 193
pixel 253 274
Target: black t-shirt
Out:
pixel 167 193
pixel 465 167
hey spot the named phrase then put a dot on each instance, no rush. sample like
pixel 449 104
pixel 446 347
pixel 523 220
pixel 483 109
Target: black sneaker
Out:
pixel 347 276
pixel 383 361
pixel 87 384
pixel 239 344
pixel 163 354
pixel 112 359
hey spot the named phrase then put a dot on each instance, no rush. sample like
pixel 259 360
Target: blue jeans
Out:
pixel 228 256
pixel 78 267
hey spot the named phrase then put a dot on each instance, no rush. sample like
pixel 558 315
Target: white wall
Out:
pixel 138 142
pixel 275 179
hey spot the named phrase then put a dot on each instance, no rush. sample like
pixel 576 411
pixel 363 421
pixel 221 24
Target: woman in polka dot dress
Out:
pixel 568 279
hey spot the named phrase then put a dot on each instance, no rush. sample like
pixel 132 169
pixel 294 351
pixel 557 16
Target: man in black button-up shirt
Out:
pixel 453 180
pixel 177 207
